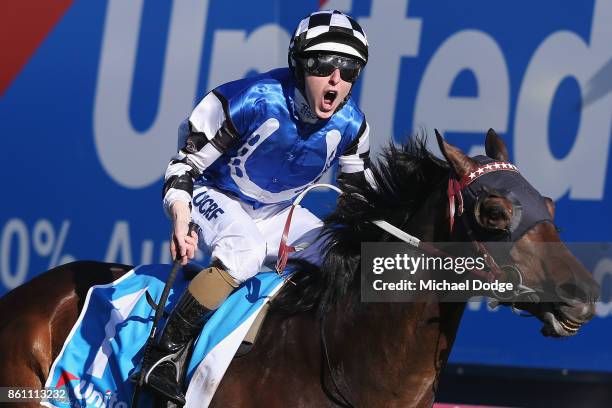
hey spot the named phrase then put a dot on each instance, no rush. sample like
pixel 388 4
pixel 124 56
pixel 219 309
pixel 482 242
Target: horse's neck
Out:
pixel 400 348
pixel 431 223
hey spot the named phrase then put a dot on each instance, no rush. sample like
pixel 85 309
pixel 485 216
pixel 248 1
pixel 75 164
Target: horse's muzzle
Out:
pixel 569 306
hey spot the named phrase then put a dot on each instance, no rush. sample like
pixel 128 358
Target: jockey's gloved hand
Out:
pixel 351 205
pixel 182 244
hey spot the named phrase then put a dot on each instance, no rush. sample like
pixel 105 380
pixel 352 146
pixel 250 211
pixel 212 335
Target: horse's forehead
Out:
pixel 533 206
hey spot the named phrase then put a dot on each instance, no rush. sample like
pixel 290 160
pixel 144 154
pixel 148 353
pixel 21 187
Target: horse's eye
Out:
pixel 494 217
pixel 496 213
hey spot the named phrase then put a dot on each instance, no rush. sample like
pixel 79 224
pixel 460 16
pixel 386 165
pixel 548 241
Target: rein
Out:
pixel 456 208
pixel 455 200
pixel 284 249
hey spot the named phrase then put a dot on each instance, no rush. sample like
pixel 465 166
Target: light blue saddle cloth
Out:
pixel 106 343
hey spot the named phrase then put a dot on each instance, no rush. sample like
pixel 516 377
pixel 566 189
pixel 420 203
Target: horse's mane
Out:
pixel 405 176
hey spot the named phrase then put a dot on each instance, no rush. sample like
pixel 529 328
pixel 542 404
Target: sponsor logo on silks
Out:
pixel 207 206
pixel 84 392
pixel 65 378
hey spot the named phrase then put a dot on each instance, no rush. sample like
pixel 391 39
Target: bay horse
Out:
pixel 320 346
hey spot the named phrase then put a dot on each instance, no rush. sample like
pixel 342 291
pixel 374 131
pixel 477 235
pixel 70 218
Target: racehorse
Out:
pixel 319 345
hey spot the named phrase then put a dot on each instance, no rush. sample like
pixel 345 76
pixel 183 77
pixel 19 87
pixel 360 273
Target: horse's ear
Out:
pixel 495 147
pixel 550 204
pixel 459 161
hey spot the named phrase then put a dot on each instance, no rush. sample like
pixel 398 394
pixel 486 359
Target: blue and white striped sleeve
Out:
pixel 206 135
pixel 354 163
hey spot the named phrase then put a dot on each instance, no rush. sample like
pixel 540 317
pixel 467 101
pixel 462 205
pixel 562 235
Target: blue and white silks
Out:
pixel 105 345
pixel 275 153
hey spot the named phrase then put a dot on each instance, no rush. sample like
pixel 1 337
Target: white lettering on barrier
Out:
pixel 147 251
pixel 563 54
pixel 387 21
pixel 340 5
pixel 17 228
pixel 603 270
pixel 120 147
pixel 234 54
pixel 119 248
pixel 467 50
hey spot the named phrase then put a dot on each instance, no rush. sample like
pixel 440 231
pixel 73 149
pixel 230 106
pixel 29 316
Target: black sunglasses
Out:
pixel 323 65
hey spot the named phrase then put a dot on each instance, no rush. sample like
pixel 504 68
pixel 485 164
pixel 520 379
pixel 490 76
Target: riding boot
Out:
pixel 166 363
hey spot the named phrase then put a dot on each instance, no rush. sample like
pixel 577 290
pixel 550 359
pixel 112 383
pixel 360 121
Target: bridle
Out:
pixel 456 186
pixel 492 272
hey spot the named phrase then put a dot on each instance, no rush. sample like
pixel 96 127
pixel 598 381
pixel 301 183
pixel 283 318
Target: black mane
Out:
pixel 405 176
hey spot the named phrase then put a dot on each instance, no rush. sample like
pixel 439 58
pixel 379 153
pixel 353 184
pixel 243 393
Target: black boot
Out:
pixel 167 360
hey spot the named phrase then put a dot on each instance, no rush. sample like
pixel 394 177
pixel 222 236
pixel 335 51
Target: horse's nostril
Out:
pixel 572 292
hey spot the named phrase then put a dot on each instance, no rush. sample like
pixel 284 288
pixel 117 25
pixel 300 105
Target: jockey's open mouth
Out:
pixel 328 99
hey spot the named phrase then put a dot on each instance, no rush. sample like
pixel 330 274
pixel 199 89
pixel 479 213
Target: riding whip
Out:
pixel 159 311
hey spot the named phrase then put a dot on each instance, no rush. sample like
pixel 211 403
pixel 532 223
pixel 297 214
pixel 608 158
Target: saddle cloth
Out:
pixel 106 344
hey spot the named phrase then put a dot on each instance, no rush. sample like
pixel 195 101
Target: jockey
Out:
pixel 247 149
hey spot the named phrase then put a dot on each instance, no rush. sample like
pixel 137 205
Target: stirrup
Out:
pixel 165 386
pixel 166 359
pixel 135 377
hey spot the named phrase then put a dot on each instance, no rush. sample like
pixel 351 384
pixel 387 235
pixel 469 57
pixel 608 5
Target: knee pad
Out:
pixel 212 286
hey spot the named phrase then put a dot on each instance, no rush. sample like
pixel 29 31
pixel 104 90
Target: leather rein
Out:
pixel 456 209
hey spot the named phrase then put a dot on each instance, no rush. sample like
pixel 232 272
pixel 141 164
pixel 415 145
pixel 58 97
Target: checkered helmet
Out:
pixel 329 31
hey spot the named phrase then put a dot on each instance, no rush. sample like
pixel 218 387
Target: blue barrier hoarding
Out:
pixel 89 121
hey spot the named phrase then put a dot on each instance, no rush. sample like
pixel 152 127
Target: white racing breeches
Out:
pixel 244 239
